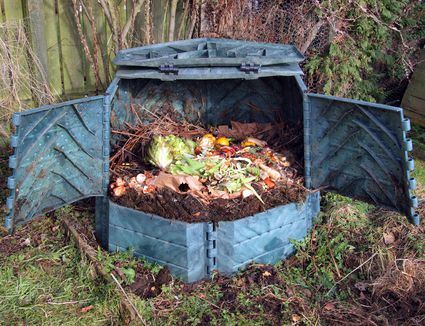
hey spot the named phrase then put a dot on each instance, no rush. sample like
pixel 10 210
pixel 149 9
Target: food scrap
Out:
pixel 208 166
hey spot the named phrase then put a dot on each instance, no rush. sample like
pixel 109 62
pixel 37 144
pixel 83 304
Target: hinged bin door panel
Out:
pixel 57 158
pixel 359 149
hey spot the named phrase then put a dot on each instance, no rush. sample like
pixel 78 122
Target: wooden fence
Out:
pixel 52 29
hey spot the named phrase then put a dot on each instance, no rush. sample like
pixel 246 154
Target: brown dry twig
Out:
pixel 94 64
pixel 141 134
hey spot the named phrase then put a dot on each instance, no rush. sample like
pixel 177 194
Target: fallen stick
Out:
pixel 90 253
pixel 123 291
pixel 362 264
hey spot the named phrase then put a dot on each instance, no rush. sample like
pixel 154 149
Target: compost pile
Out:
pixel 183 171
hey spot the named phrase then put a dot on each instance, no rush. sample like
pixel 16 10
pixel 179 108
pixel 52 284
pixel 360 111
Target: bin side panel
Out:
pixel 265 237
pixel 178 245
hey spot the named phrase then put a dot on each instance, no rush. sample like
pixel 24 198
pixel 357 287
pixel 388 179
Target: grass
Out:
pixel 46 281
pixel 360 265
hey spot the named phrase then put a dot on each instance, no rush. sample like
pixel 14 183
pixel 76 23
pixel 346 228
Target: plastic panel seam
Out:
pixel 410 182
pixel 307 140
pixel 8 224
pixel 211 248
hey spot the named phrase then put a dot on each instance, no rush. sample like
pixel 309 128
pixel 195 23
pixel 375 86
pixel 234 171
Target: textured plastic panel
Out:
pixel 208 52
pixel 193 251
pixel 57 158
pixel 264 237
pixel 360 149
pixel 181 246
pixel 207 73
pixel 272 99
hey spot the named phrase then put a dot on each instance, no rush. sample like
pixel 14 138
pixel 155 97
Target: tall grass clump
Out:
pixel 22 80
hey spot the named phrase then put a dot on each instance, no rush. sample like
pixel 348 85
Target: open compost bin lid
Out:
pixel 209 52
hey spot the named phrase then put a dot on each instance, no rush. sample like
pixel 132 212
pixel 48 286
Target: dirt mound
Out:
pixel 188 208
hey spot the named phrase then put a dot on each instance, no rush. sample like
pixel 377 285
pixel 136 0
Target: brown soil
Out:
pixel 146 285
pixel 188 208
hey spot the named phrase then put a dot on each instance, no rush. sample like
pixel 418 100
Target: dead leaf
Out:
pixel 361 286
pixel 296 318
pixel 389 238
pixel 239 282
pixel 267 274
pixel 240 131
pixel 215 193
pixel 26 242
pixel 307 292
pixel 120 182
pixel 119 191
pixel 86 309
pixel 174 182
pixel 329 306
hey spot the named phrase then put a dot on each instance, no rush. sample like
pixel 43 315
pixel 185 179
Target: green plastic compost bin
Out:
pixel 355 148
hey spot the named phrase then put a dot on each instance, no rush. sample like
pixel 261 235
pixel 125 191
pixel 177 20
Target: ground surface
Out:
pixel 361 265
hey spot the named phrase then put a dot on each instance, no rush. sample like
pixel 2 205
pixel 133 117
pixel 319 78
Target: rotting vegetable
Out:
pixel 164 150
pixel 212 167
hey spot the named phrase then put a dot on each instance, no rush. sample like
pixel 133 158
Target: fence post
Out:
pixel 36 15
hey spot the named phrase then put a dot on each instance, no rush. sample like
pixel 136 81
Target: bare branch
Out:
pixel 137 6
pixel 85 45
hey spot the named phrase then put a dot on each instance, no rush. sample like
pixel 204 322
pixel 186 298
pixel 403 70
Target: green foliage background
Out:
pixel 372 44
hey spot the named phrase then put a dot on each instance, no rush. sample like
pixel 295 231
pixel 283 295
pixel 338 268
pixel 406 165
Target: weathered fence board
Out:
pixel 414 99
pixel 69 73
pixel 51 31
pixel 72 56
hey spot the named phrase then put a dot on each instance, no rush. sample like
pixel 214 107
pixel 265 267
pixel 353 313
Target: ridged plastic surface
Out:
pixel 57 158
pixel 193 250
pixel 360 150
pixel 213 102
pixel 264 237
pixel 210 73
pixel 180 246
pixel 208 52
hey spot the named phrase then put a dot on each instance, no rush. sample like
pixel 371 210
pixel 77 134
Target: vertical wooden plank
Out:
pixel 140 26
pixel 2 12
pixel 13 10
pixel 109 47
pixel 72 63
pixel 123 12
pixel 36 15
pixel 101 27
pixel 158 13
pixel 89 81
pixel 89 70
pixel 51 32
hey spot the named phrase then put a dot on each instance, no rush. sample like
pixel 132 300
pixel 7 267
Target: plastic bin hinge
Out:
pixel 250 68
pixel 168 69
